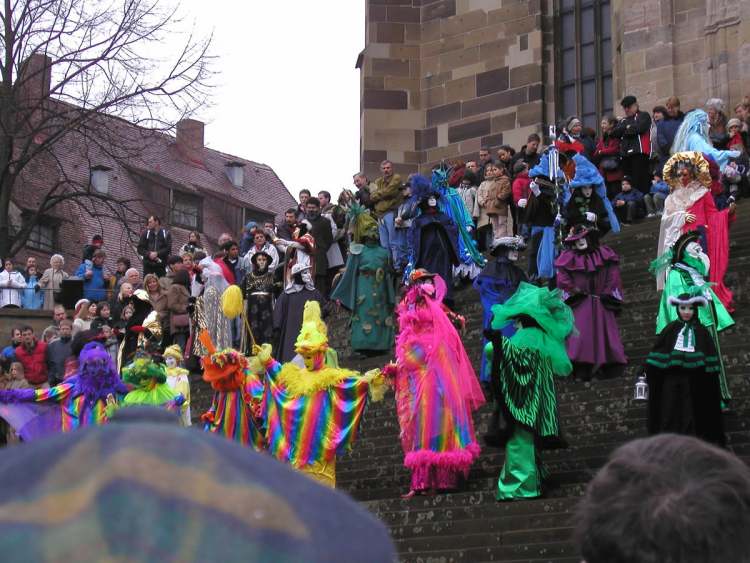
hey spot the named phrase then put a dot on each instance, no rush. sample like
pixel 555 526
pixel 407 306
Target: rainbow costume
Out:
pixel 81 400
pixel 149 381
pixel 312 413
pixel 436 389
pixel 238 390
pixel 523 370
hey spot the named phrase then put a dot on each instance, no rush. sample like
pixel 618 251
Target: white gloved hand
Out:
pixel 534 187
pixel 522 202
pixel 590 217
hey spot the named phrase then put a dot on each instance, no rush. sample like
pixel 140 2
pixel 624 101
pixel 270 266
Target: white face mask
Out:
pixel 695 250
pixel 581 244
pixel 432 202
pixel 171 362
pixel 513 255
pixel 587 191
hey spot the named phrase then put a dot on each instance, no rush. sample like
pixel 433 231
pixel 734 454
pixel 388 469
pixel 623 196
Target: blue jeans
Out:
pixel 388 237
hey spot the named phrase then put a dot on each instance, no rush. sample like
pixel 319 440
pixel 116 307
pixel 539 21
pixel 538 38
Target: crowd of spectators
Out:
pixel 494 188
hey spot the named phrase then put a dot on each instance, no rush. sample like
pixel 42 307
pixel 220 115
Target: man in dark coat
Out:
pixel 634 132
pixel 320 229
pixel 154 247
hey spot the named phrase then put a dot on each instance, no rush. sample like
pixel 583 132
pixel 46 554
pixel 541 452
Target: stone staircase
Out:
pixel 596 417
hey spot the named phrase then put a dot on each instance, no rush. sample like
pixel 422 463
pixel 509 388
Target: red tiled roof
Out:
pixel 161 160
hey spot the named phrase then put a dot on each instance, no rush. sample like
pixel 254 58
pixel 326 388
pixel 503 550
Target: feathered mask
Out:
pixel 421 188
pixel 313 336
pixel 362 224
pixel 143 371
pixel 224 369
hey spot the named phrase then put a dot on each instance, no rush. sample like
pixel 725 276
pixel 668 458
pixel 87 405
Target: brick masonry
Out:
pixel 440 78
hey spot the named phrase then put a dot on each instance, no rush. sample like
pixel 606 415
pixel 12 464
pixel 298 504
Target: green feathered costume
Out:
pixel 150 385
pixel 522 370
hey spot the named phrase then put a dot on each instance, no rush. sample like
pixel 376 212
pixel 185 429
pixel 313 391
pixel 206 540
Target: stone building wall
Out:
pixel 695 49
pixel 441 78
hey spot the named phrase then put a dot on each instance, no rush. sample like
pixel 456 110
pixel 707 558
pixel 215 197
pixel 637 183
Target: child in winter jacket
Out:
pixel 628 203
pixel 33 296
pixel 494 195
pixel 521 193
pixel 654 200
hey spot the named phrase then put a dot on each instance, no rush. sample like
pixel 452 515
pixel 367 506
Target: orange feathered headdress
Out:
pixel 224 369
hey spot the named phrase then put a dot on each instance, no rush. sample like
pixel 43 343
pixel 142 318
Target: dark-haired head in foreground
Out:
pixel 667 499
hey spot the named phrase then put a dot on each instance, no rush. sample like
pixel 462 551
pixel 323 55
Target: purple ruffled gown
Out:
pixel 591 285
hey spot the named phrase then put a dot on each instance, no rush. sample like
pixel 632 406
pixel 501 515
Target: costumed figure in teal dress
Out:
pixel 682 371
pixel 523 371
pixel 687 268
pixel 366 288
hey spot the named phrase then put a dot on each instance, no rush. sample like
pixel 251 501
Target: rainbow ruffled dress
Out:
pixel 436 393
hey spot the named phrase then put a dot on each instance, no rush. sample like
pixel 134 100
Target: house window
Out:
pixel 43 237
pixel 186 211
pixel 256 216
pixel 584 60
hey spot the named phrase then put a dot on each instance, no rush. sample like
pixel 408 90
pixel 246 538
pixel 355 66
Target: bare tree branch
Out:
pixel 105 61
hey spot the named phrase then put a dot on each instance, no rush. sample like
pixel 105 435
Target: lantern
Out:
pixel 641 389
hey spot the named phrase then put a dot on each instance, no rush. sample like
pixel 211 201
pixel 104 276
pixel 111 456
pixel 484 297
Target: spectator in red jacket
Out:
pixel 521 193
pixel 607 157
pixel 32 354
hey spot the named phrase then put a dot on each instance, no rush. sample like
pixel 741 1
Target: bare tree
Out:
pixel 68 69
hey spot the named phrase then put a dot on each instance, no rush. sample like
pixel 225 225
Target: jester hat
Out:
pixel 313 336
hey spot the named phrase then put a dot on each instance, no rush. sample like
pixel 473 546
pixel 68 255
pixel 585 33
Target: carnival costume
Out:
pixel 312 413
pixel 238 393
pixel 682 371
pixel 687 266
pixel 215 284
pixel 142 330
pixel 257 289
pixel 497 282
pixel 542 213
pixel 470 260
pixel 436 389
pixel 366 288
pixel 178 379
pixel 433 236
pixel 299 288
pixel 588 275
pixel 523 371
pixel 149 381
pixel 81 400
pixel 695 199
pixel 578 205
pixel 693 136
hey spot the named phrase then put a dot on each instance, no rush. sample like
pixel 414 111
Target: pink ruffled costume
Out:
pixel 436 392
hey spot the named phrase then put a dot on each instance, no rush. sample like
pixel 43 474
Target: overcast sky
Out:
pixel 287 92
